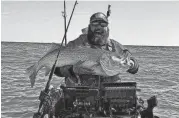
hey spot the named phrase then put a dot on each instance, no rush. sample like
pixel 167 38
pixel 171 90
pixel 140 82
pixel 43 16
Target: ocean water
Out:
pixel 158 75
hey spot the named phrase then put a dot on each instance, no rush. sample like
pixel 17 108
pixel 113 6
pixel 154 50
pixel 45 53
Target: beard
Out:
pixel 98 37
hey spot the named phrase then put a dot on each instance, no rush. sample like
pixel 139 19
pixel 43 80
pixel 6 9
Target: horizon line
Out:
pixel 59 43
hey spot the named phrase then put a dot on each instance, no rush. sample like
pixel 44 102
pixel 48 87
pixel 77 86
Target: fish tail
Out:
pixel 32 72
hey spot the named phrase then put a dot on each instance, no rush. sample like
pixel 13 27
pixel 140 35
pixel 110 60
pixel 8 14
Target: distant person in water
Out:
pixel 97 37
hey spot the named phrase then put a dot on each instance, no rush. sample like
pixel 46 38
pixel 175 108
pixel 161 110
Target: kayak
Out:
pixel 102 101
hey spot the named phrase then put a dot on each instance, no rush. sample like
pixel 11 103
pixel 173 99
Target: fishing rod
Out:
pixel 68 23
pixel 53 68
pixel 64 16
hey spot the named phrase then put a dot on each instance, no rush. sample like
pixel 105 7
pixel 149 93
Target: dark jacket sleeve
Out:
pixel 65 71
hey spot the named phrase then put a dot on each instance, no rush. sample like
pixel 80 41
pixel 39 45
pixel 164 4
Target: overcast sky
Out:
pixel 131 22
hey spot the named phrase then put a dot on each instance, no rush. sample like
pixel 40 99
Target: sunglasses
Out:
pixel 102 24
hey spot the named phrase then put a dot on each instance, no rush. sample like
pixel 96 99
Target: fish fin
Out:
pixel 47 71
pixel 31 71
pixel 54 46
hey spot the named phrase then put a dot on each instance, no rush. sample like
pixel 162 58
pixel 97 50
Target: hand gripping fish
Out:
pixel 100 62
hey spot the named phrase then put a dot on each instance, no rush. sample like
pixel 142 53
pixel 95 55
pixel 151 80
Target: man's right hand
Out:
pixel 134 67
pixel 130 61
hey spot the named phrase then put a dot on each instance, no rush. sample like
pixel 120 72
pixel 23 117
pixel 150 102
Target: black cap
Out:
pixel 99 16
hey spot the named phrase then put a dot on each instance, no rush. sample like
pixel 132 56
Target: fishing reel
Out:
pixel 46 106
pixel 48 100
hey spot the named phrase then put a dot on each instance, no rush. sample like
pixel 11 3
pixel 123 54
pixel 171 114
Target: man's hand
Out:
pixel 130 61
pixel 134 66
pixel 65 71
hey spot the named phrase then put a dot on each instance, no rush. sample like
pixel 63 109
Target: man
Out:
pixel 97 37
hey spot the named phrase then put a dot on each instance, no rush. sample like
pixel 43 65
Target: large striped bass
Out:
pixel 101 62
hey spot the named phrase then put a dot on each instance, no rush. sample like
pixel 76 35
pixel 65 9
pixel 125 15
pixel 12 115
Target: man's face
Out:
pixel 99 32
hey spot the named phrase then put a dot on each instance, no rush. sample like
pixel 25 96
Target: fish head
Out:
pixel 111 63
